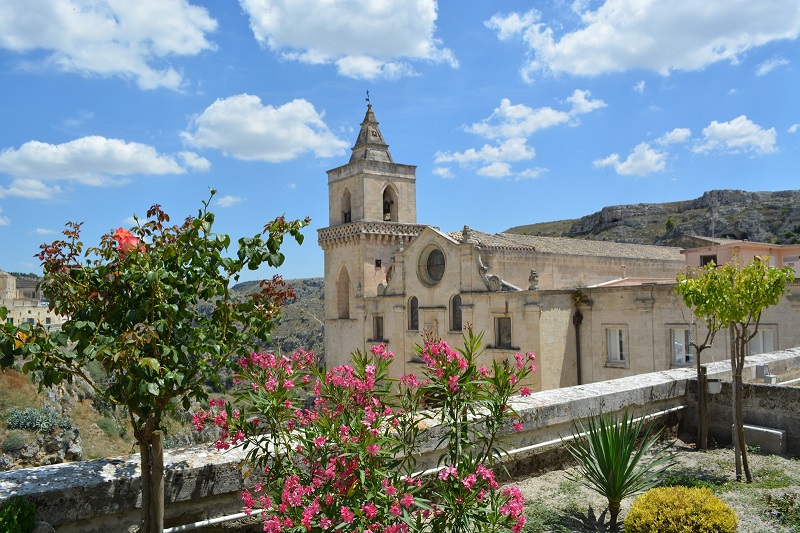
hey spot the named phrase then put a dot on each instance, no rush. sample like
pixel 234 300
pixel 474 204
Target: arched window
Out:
pixel 389 204
pixel 346 213
pixel 456 321
pixel 343 294
pixel 413 314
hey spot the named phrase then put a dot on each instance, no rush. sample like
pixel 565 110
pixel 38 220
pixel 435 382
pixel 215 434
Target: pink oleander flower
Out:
pixel 347 515
pixel 447 472
pixel 370 510
pixel 525 391
pixel 518 426
pixel 469 481
pixel 407 500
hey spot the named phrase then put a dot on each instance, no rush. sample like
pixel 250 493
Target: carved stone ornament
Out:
pixel 534 281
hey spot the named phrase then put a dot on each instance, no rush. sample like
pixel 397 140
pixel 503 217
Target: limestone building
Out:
pixel 25 303
pixel 590 310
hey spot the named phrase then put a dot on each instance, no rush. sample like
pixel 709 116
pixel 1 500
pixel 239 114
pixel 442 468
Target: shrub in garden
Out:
pixel 34 419
pixel 13 443
pixel 348 461
pixel 680 510
pixel 108 425
pixel 17 515
pixel 609 452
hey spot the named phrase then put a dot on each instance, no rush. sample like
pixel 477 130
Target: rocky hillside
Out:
pixel 301 325
pixel 756 216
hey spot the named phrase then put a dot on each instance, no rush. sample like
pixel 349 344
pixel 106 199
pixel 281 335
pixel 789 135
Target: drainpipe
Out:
pixel 577 319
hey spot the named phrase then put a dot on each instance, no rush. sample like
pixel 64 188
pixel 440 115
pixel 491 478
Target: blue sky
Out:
pixel 513 114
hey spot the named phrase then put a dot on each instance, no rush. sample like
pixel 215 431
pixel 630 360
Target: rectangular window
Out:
pixel 47 320
pixel 377 328
pixel 502 330
pixel 31 321
pixel 681 351
pixel 10 320
pixel 706 259
pixel 616 348
pixel 763 342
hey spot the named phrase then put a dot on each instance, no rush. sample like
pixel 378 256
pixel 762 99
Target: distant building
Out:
pixel 590 310
pixel 25 303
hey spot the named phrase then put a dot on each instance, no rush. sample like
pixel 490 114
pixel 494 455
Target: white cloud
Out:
pixel 365 39
pixel 90 160
pixel 443 172
pixel 227 201
pixel 770 64
pixel 29 188
pixel 642 160
pixel 510 126
pixel 44 231
pixel 495 170
pixel 520 120
pixel 678 135
pixel 132 40
pixel 740 135
pixel 194 161
pixel 623 35
pixel 244 128
pixel 581 103
pixel 531 173
pixel 514 149
pixel 639 87
pixel 129 222
pixel 793 128
pixel 4 221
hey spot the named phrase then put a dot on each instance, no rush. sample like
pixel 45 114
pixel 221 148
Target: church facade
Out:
pixel 590 310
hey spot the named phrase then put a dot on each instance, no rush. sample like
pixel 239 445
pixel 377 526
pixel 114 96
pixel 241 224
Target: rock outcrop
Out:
pixel 735 214
pixel 53 447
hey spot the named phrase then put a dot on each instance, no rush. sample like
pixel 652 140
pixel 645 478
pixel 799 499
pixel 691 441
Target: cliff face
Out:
pixel 755 216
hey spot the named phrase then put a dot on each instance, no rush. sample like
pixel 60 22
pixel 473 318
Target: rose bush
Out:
pixel 335 450
pixel 153 306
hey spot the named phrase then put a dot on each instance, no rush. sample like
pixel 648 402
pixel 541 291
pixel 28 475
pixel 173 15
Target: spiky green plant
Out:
pixel 610 454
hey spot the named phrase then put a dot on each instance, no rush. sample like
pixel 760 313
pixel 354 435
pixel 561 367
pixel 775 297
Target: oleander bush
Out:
pixel 680 510
pixel 17 515
pixel 33 419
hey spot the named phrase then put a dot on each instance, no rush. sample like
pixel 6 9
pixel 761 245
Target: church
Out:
pixel 590 310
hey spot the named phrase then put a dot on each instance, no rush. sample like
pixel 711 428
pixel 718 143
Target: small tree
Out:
pixel 153 305
pixel 694 286
pixel 735 297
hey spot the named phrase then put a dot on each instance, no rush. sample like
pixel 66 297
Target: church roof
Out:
pixel 370 144
pixel 567 246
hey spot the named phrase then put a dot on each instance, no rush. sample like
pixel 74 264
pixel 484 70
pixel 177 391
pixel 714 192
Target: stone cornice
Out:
pixel 369 230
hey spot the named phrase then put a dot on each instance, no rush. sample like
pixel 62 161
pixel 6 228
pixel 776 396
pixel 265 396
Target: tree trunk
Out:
pixel 613 512
pixel 152 519
pixel 144 452
pixel 702 397
pixel 740 445
pixel 157 480
pixel 740 412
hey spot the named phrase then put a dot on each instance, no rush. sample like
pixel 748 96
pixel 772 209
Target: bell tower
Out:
pixel 372 211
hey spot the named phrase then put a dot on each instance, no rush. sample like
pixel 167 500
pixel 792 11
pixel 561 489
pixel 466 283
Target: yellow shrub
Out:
pixel 680 510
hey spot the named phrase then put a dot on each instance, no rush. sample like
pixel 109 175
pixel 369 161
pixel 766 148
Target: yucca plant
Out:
pixel 610 454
